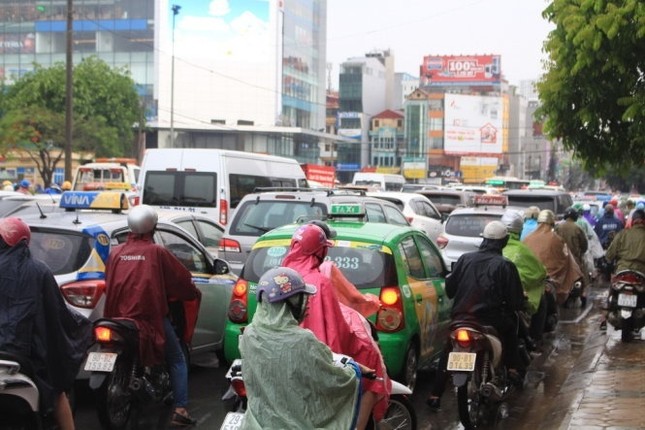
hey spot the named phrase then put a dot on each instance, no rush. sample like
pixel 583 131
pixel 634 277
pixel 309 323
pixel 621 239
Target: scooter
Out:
pixel 19 396
pixel 626 303
pixel 121 383
pixel 399 415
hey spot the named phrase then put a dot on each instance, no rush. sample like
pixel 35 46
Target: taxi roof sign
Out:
pixel 490 200
pixel 106 200
pixel 347 210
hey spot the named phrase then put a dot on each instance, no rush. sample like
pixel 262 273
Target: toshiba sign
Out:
pixel 461 69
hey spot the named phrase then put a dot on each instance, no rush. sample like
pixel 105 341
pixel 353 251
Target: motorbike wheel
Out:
pixel 470 402
pixel 400 414
pixel 627 329
pixel 114 401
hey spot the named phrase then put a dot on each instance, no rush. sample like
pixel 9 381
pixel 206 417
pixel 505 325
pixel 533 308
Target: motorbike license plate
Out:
pixel 461 361
pixel 627 300
pixel 100 361
pixel 233 421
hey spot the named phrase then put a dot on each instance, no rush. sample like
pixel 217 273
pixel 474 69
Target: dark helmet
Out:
pixel 14 230
pixel 330 233
pixel 281 283
pixel 142 219
pixel 311 238
pixel 571 213
pixel 639 214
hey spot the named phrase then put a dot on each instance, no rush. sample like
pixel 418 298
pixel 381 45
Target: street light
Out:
pixel 175 11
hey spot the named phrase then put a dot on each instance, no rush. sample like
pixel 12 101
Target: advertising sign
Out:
pixel 414 167
pixel 461 69
pixel 325 175
pixel 473 125
pixel 477 169
pixel 17 43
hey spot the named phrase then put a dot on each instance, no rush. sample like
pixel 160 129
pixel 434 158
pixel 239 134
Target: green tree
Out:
pixel 593 93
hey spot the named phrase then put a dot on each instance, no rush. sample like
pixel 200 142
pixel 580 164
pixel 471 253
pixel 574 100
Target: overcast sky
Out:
pixel 412 29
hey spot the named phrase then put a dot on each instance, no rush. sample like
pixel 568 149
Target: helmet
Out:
pixel 531 212
pixel 495 230
pixel 5 183
pixel 609 209
pixel 586 207
pixel 311 238
pixel 25 183
pixel 639 214
pixel 281 283
pixel 330 233
pixel 613 202
pixel 13 230
pixel 142 219
pixel 546 216
pixel 67 185
pixel 640 205
pixel 513 221
pixel 571 213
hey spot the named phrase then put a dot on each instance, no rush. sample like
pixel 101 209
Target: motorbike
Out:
pixel 122 385
pixel 626 303
pixel 399 415
pixel 19 396
pixel 482 381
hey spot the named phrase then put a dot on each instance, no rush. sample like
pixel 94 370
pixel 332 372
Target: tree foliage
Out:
pixel 593 93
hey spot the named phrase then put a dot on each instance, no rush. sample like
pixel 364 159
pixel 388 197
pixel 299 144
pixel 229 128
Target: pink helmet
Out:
pixel 311 238
pixel 13 230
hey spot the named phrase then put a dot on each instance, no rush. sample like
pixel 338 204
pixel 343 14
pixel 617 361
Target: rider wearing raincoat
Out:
pixel 290 376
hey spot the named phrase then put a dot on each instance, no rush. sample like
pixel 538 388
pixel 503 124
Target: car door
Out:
pixel 216 289
pixel 434 226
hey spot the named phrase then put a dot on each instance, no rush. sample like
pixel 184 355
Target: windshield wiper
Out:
pixel 257 227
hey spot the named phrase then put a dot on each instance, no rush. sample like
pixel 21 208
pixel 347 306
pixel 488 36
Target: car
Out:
pixel 268 208
pixel 203 228
pixel 399 264
pixel 418 209
pixel 412 188
pixel 477 189
pixel 75 244
pixel 447 200
pixel 557 201
pixel 463 228
pixel 22 204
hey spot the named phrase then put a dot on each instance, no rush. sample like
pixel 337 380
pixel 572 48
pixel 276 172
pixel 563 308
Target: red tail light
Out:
pixel 84 294
pixel 238 307
pixel 223 211
pixel 390 317
pixel 135 200
pixel 238 386
pixel 410 219
pixel 463 338
pixel 229 245
pixel 442 241
pixel 103 334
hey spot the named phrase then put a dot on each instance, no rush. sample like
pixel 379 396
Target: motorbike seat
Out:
pixel 26 367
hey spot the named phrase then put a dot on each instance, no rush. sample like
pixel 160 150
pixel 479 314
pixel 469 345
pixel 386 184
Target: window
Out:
pixel 62 251
pixel 180 189
pixel 191 257
pixel 412 258
pixel 374 212
pixel 210 233
pixel 431 258
pixel 256 218
pixel 394 216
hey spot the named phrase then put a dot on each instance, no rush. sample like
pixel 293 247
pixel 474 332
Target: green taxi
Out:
pixel 399 264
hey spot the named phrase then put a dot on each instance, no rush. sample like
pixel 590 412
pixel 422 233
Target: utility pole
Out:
pixel 175 11
pixel 69 92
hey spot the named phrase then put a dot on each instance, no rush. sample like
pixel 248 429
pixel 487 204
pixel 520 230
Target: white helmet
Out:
pixel 495 230
pixel 142 219
pixel 513 221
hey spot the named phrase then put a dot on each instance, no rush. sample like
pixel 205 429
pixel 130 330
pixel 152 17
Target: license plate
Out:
pixel 627 300
pixel 233 421
pixel 461 361
pixel 100 361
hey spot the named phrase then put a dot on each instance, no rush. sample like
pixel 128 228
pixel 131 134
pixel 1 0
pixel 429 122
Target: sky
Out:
pixel 412 29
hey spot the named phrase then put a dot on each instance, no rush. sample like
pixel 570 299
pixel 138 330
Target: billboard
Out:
pixel 476 169
pixel 473 124
pixel 17 43
pixel 460 69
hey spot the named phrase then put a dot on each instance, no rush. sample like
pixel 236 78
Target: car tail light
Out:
pixel 103 334
pixel 135 200
pixel 223 211
pixel 84 294
pixel 238 307
pixel 410 219
pixel 442 241
pixel 463 338
pixel 238 386
pixel 390 315
pixel 229 245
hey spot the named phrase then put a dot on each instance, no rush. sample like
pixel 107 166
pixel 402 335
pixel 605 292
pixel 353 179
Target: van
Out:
pixel 379 181
pixel 107 173
pixel 211 181
pixel 556 201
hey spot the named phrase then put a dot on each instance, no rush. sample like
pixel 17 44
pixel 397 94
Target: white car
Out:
pixel 418 209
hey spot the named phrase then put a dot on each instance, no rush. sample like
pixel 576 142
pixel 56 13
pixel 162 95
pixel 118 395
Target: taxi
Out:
pixel 75 242
pixel 399 264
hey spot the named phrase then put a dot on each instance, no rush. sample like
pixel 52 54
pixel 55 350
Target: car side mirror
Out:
pixel 221 267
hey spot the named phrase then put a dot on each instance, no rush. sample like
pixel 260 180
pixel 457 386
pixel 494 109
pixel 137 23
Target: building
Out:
pixel 404 84
pixel 386 141
pixel 238 75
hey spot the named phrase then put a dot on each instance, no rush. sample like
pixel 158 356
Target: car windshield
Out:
pixel 443 199
pixel 469 225
pixel 256 218
pixel 62 251
pixel 364 267
pixel 545 202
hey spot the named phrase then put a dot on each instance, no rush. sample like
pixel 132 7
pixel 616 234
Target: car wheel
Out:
pixel 408 375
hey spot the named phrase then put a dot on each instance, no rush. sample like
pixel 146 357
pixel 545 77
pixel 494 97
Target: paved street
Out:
pixel 586 380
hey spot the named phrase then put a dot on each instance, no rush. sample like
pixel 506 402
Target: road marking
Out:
pixel 582 315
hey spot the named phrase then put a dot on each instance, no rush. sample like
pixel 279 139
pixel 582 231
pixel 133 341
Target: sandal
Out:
pixel 182 420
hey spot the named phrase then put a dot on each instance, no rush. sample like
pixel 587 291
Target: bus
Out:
pixel 503 183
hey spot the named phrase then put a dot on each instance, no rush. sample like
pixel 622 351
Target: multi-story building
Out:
pixel 238 75
pixel 386 141
pixel 404 84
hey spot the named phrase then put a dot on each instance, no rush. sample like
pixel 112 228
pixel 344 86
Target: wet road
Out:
pixel 557 396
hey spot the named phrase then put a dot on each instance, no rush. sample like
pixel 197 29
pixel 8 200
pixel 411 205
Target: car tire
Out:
pixel 408 374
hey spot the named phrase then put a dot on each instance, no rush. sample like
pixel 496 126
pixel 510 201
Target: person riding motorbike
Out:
pixel 531 270
pixel 577 243
pixel 530 221
pixel 290 376
pixel 337 325
pixel 36 325
pixel 608 226
pixel 141 279
pixel 553 252
pixel 486 288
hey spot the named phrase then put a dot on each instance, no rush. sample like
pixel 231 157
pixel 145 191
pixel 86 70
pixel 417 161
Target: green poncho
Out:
pixel 532 271
pixel 290 377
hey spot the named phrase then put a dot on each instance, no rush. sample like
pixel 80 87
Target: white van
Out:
pixel 107 173
pixel 379 181
pixel 211 181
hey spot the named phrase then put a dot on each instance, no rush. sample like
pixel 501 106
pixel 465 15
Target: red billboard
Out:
pixel 460 69
pixel 325 175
